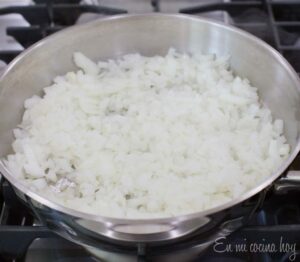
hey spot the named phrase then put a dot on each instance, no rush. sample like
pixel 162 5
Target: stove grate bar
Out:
pixel 24 236
pixel 230 7
pixel 63 14
pixel 27 36
pixel 155 5
pixel 8 55
pixel 273 27
pixel 57 1
pixel 35 14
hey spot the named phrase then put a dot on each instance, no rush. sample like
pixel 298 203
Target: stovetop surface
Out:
pixel 276 225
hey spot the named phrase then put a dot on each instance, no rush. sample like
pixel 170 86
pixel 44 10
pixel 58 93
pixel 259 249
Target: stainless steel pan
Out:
pixel 151 34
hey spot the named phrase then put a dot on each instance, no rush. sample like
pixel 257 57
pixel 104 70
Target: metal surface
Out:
pixel 275 79
pixel 278 218
pixel 288 183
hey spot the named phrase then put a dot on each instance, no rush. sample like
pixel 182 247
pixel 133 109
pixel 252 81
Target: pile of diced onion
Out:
pixel 143 137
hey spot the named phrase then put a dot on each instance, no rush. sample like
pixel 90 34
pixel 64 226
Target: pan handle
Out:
pixel 290 182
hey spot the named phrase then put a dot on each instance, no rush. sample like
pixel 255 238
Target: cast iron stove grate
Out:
pixel 47 17
pixel 275 21
pixel 278 219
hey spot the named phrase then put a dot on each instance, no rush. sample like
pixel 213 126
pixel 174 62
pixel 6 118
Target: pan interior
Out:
pixel 149 35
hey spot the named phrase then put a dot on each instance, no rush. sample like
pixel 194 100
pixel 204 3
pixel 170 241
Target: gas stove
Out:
pixel 272 233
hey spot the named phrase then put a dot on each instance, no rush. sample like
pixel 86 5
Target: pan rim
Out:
pixel 92 217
